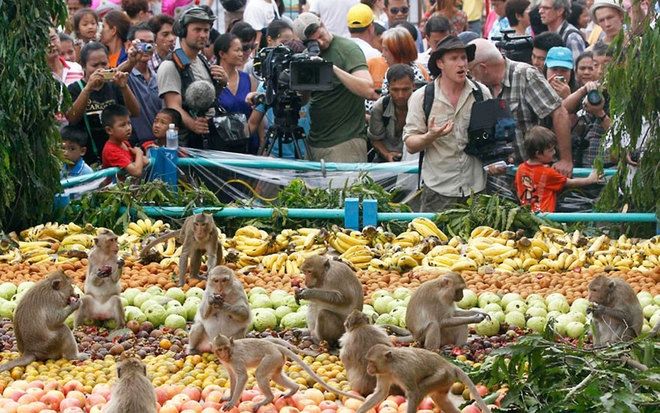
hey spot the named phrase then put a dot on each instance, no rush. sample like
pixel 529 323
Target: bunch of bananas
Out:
pixel 343 239
pixel 254 242
pixel 427 228
pixel 358 256
pixel 402 260
pixel 143 228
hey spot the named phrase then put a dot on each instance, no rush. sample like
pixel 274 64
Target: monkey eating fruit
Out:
pixel 617 314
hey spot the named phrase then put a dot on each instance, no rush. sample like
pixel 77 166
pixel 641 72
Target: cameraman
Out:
pixel 337 131
pixel 192 27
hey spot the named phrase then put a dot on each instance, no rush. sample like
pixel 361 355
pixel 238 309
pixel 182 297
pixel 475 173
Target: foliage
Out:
pixel 29 98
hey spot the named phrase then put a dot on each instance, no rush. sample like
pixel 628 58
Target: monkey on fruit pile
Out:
pixel 269 358
pixel 617 314
pixel 358 339
pixel 333 291
pixel 39 322
pixel 418 372
pixel 224 310
pixel 433 318
pixel 198 235
pixel 133 392
pixel 101 300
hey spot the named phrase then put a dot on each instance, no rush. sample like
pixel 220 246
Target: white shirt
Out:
pixel 423 57
pixel 259 13
pixel 368 50
pixel 333 14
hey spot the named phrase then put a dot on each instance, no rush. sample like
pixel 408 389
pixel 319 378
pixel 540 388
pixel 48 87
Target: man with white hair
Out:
pixel 554 14
pixel 530 97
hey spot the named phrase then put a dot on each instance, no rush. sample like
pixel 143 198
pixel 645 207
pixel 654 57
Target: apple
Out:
pixel 510 297
pixel 161 395
pixel 469 300
pixel 311 408
pixel 94 400
pixel 517 305
pixel 487 298
pixel 314 395
pixel 71 403
pixel 289 409
pixel 536 312
pixel 537 324
pixel 168 408
pixel 515 318
pixel 191 405
pixel 71 385
pixel 491 308
pixel 53 398
pixel 328 405
pixel 560 305
pixel 580 305
pixel 574 329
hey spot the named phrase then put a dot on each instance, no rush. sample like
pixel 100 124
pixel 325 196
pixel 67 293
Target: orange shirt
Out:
pixel 377 69
pixel 113 59
pixel 537 186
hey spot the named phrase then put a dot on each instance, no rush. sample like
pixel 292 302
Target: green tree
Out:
pixel 29 98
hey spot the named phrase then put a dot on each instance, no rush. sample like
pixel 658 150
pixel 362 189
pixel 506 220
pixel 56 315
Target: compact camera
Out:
pixel 144 47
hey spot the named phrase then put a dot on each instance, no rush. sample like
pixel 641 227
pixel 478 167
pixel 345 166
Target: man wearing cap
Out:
pixel 449 174
pixel 436 29
pixel 554 14
pixel 192 27
pixel 608 15
pixel 559 70
pixel 530 98
pixel 360 20
pixel 337 132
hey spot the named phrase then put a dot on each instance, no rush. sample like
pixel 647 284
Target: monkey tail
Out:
pixel 23 360
pixel 291 346
pixel 293 356
pixel 473 389
pixel 157 241
pixel 396 330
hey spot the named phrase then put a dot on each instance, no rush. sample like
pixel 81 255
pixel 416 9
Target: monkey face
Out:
pixel 62 287
pixel 220 278
pixel 600 289
pixel 458 294
pixel 371 368
pixel 223 353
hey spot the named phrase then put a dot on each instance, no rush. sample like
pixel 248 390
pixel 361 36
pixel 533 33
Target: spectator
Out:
pixel 559 71
pixel 496 21
pixel 537 184
pixel 378 9
pixel 603 55
pixel 117 152
pixel 67 49
pixel 64 71
pixel 535 21
pixel 136 10
pixel 608 15
pixel 143 82
pixel 378 38
pixel 74 146
pixel 584 69
pixel 233 12
pixel 579 16
pixel 93 93
pixel 161 26
pixel 259 13
pixel 389 115
pixel 542 43
pixel 113 35
pixel 333 14
pixel 208 49
pixel 248 38
pixel 474 9
pixel 86 26
pixel 337 132
pixel 457 18
pixel 360 25
pixel 164 118
pixel 449 174
pixel 72 7
pixel 193 27
pixel 517 13
pixel 397 12
pixel 530 98
pixel 554 14
pixel 435 30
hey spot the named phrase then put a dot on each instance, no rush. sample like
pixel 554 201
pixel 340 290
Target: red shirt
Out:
pixel 118 155
pixel 537 186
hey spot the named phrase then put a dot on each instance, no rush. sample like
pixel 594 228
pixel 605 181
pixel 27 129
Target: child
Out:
pixel 162 122
pixel 537 183
pixel 116 151
pixel 74 146
pixel 86 25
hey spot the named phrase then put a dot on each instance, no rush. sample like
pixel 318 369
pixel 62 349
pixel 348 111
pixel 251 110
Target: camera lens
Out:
pixel 594 97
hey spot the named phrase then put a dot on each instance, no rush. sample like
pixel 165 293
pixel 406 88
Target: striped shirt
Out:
pixel 71 72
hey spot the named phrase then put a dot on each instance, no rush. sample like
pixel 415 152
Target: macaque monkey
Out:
pixel 617 314
pixel 101 300
pixel 224 310
pixel 418 372
pixel 333 290
pixel 39 322
pixel 198 235
pixel 133 392
pixel 358 339
pixel 268 358
pixel 433 318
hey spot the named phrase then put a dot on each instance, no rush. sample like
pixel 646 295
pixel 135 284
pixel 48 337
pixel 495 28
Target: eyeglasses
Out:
pixel 249 46
pixel 397 10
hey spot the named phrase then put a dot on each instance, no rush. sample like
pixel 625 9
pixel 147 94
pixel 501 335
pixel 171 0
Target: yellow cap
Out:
pixel 359 16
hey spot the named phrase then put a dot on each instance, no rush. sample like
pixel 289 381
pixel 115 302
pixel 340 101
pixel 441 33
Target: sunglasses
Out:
pixel 397 10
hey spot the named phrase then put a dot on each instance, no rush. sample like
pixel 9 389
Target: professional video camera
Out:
pixel 518 48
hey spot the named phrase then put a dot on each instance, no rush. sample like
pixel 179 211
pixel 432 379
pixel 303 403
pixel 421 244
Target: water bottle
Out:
pixel 172 137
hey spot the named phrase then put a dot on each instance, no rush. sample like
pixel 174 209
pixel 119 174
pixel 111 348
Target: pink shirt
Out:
pixel 71 72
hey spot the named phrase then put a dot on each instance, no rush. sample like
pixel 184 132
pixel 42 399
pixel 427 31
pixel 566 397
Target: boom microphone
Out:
pixel 200 97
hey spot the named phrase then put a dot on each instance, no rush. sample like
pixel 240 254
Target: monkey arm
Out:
pixel 380 393
pixel 55 318
pixel 117 274
pixel 467 313
pixel 238 312
pixel 459 321
pixel 601 310
pixel 329 296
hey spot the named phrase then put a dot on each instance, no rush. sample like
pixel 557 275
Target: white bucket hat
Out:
pixel 613 4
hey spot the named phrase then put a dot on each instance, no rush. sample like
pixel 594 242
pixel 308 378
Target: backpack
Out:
pixel 233 5
pixel 568 29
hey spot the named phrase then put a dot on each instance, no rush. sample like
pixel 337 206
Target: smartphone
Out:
pixel 561 78
pixel 108 74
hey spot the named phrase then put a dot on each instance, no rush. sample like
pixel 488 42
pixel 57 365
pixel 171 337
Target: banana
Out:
pixel 135 229
pixel 597 244
pixel 482 231
pixel 406 262
pixel 539 244
pixel 455 241
pixel 464 264
pixel 356 239
pixel 538 268
pixel 171 247
pixel 427 228
pixel 504 267
pixel 378 264
pixel 73 228
pixel 256 251
pixel 550 230
pixel 442 250
pixel 497 250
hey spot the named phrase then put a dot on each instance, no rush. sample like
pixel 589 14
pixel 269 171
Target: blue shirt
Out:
pixel 236 103
pixel 150 103
pixel 78 169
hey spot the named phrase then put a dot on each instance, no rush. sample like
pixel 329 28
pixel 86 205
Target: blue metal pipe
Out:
pixel 79 180
pixel 554 216
pixel 297 213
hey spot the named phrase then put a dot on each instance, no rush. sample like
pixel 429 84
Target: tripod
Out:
pixel 283 135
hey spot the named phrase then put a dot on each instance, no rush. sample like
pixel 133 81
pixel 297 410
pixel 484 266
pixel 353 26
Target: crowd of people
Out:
pixel 399 91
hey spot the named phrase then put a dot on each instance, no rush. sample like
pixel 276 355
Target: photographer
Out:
pixel 337 131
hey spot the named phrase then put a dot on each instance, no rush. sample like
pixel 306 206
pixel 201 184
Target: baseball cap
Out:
pixel 305 25
pixel 604 3
pixel 359 16
pixel 559 57
pixel 447 44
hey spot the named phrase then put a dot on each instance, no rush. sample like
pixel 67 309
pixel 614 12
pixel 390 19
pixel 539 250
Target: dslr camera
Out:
pixel 518 48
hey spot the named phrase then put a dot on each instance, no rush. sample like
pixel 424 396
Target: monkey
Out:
pixel 359 337
pixel 269 358
pixel 101 300
pixel 197 235
pixel 433 318
pixel 224 310
pixel 133 392
pixel 418 372
pixel 617 314
pixel 39 322
pixel 333 290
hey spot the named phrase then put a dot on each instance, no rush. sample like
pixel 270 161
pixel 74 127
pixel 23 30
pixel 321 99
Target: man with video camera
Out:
pixel 337 132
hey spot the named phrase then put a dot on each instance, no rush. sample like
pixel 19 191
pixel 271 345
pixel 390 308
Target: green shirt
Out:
pixel 338 115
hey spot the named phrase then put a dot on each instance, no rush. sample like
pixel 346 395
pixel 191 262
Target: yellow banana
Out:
pixel 427 228
pixel 135 228
pixel 464 264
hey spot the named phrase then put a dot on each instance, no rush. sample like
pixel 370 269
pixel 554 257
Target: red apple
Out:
pixel 97 409
pixel 246 406
pixel 70 403
pixel 72 385
pixel 161 395
pixel 94 399
pixel 53 398
pixel 37 392
pixel 289 409
pixel 483 390
pixel 328 405
pixel 211 388
pixel 179 399
pixel 214 396
pixel 426 404
pixel 210 410
pixel 192 405
pixel 269 408
pixel 311 408
pixel 36 383
pixel 21 384
pixel 249 395
pixel 51 385
pixel 193 392
pixel 73 410
pixel 14 393
pixel 471 409
pixel 212 405
pixel 27 398
pixel 168 408
pixel 102 389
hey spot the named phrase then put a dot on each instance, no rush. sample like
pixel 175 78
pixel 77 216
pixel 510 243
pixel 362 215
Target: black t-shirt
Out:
pixel 98 100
